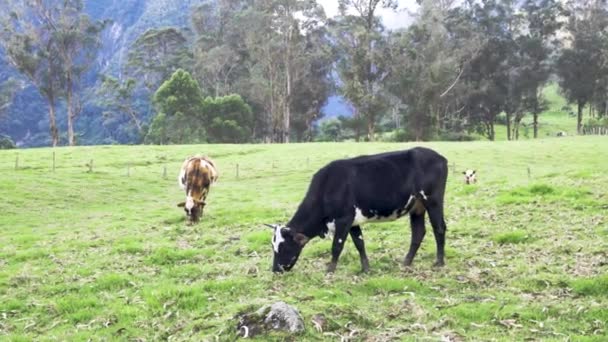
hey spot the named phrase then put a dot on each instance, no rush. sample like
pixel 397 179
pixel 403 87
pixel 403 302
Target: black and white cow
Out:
pixel 470 176
pixel 347 193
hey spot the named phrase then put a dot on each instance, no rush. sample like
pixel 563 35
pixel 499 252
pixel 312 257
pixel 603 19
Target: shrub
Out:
pixel 6 143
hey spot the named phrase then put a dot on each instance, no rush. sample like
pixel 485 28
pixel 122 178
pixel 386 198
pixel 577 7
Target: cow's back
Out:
pixel 380 181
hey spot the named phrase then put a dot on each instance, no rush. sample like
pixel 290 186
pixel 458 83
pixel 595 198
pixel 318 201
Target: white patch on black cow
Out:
pixel 331 227
pixel 360 218
pixel 277 239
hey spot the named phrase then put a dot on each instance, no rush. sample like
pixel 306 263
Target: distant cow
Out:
pixel 347 193
pixel 196 176
pixel 561 134
pixel 470 176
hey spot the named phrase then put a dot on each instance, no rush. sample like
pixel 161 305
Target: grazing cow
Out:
pixel 470 176
pixel 347 193
pixel 561 134
pixel 196 175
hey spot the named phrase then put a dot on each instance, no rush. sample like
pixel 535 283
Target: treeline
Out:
pixel 261 70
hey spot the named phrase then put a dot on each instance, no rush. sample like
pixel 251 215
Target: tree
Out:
pixel 27 41
pixel 156 54
pixel 488 75
pixel 583 64
pixel 363 57
pixel 428 61
pixel 119 99
pixel 280 56
pixel 228 119
pixel 536 44
pixel 8 89
pixel 217 50
pixel 77 40
pixel 330 130
pixel 180 107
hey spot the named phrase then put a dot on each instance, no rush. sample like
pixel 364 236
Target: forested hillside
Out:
pixel 160 71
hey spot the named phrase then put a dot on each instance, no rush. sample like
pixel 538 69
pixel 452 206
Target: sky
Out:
pixel 391 19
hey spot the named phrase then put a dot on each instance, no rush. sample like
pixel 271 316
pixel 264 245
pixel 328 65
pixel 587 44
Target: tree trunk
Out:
pixel 70 107
pixel 579 118
pixel 508 125
pixel 288 71
pixel 535 123
pixel 370 128
pixel 53 123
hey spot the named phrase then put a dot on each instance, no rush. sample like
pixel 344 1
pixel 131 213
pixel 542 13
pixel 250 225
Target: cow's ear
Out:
pixel 473 172
pixel 301 239
pixel 270 225
pixel 181 205
pixel 464 172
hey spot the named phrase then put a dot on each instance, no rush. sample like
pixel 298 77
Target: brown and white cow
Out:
pixel 196 176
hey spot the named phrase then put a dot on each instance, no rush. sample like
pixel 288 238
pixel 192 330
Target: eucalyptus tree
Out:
pixel 156 54
pixel 218 51
pixel 488 75
pixel 583 65
pixel 27 41
pixel 282 45
pixel 363 58
pixel 8 89
pixel 77 39
pixel 119 99
pixel 536 45
pixel 429 59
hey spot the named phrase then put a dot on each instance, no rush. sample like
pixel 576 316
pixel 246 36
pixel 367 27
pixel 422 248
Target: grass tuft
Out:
pixel 596 286
pixel 511 237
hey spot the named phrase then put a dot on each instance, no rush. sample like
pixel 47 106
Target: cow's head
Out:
pixel 193 208
pixel 469 176
pixel 286 246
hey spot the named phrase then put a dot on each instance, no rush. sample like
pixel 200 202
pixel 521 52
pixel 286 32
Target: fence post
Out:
pixel 128 169
pixel 53 161
pixel 529 173
pixel 165 171
pixel 237 170
pixel 91 165
pixel 17 161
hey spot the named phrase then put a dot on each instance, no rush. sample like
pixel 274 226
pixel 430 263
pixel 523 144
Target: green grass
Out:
pixel 104 256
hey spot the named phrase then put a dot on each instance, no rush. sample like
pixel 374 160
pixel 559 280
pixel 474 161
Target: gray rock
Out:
pixel 282 316
pixel 278 316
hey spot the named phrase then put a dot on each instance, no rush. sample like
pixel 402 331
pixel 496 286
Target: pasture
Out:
pixel 106 255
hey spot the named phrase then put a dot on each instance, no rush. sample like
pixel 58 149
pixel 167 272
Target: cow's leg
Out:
pixel 357 236
pixel 439 228
pixel 342 229
pixel 418 231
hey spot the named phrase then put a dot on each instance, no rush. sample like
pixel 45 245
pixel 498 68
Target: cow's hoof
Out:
pixel 365 266
pixel 439 263
pixel 408 262
pixel 331 268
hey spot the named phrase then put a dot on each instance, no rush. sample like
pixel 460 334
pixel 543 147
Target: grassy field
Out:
pixel 106 255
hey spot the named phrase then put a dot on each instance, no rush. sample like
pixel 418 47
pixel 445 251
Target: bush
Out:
pixel 6 143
